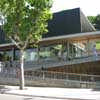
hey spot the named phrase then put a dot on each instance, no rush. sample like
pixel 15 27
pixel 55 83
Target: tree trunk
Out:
pixel 22 70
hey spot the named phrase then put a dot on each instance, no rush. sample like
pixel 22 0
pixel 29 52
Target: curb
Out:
pixel 52 97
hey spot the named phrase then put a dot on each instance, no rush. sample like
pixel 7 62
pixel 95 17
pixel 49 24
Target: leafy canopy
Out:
pixel 95 20
pixel 92 19
pixel 26 20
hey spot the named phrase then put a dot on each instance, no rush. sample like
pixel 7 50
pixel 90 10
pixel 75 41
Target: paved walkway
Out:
pixel 16 97
pixel 56 93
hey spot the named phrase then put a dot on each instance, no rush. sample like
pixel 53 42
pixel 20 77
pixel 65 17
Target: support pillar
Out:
pixel 13 54
pixel 88 50
pixel 68 49
pixel 38 49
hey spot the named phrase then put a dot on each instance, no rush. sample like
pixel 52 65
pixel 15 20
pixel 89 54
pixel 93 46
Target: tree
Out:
pixel 92 19
pixel 95 20
pixel 26 21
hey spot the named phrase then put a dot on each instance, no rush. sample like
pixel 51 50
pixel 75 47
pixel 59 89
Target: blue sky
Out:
pixel 89 7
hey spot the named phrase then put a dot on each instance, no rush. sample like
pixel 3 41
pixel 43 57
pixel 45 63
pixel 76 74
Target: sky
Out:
pixel 88 7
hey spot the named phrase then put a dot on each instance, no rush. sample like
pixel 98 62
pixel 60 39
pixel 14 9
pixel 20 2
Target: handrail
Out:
pixel 55 75
pixel 50 63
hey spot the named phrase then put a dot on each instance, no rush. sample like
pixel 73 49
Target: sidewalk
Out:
pixel 50 92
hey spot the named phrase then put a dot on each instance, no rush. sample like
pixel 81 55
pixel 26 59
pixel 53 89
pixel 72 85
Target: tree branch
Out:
pixel 17 44
pixel 26 43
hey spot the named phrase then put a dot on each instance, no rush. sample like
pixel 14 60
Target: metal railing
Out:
pixel 52 75
pixel 48 76
pixel 31 65
pixel 63 76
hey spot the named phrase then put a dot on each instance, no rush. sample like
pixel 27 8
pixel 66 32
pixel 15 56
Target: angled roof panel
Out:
pixel 68 22
pixel 86 26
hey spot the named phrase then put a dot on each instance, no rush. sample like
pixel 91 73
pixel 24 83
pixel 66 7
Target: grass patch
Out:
pixel 97 45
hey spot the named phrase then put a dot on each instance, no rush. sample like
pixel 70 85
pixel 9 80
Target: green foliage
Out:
pixel 92 19
pixel 98 45
pixel 95 20
pixel 26 19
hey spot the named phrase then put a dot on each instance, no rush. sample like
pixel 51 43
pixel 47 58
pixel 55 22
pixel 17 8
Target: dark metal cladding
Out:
pixel 68 22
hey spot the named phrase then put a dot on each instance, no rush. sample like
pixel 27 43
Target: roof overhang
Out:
pixel 73 37
pixel 76 36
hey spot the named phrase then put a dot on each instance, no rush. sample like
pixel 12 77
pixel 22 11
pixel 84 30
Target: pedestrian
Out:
pixel 94 51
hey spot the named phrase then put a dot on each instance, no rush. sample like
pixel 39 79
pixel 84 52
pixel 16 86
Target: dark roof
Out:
pixel 64 23
pixel 68 22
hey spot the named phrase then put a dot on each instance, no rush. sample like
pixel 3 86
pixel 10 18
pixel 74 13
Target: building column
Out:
pixel 72 49
pixel 88 49
pixel 13 54
pixel 68 49
pixel 38 50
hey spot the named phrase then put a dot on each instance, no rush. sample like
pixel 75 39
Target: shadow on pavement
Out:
pixel 96 89
pixel 27 98
pixel 3 89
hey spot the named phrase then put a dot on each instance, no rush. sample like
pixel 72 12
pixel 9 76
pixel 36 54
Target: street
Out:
pixel 16 97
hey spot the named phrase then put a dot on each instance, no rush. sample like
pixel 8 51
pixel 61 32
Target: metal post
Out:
pixel 43 75
pixel 88 47
pixel 13 54
pixel 38 49
pixel 72 51
pixel 68 49
pixel 67 76
pixel 80 80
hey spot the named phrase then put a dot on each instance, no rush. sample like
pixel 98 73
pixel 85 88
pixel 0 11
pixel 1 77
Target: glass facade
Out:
pixel 6 55
pixel 62 51
pixel 48 53
pixel 29 55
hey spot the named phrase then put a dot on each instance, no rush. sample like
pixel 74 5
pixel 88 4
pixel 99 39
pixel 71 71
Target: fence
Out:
pixel 63 76
pixel 45 78
pixel 8 74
